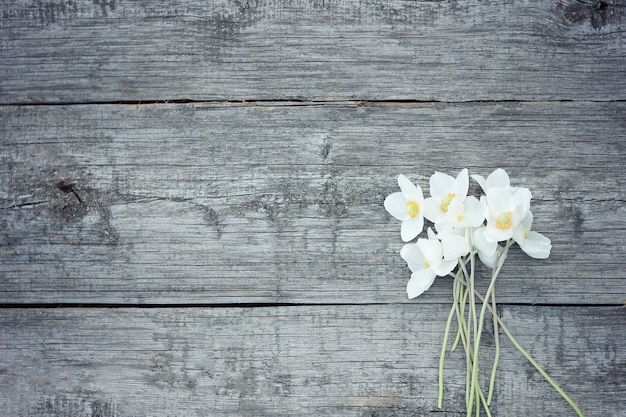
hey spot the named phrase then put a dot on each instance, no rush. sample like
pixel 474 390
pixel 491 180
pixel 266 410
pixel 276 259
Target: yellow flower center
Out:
pixel 445 202
pixel 412 208
pixel 426 265
pixel 504 220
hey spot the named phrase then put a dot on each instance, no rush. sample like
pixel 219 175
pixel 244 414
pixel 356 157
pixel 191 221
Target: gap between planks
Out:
pixel 7 306
pixel 297 102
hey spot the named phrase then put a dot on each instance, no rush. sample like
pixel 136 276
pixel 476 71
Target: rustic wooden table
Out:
pixel 191 219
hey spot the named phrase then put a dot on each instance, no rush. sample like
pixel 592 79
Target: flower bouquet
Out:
pixel 466 227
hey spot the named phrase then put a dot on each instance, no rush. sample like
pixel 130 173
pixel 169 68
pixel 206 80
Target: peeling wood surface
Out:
pixel 199 186
pixel 306 361
pixel 85 50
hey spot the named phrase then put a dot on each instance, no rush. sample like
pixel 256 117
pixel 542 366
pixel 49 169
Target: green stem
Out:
pixel 461 313
pixel 496 359
pixel 457 292
pixel 477 389
pixel 443 353
pixel 481 320
pixel 460 297
pixel 485 404
pixel 539 368
pixel 474 388
pixel 473 302
pixel 530 358
pixel 469 398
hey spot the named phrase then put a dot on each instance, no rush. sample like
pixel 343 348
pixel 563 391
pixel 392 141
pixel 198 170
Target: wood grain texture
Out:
pixel 262 203
pixel 264 185
pixel 68 51
pixel 305 361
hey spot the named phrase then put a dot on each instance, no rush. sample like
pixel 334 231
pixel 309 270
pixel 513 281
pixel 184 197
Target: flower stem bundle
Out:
pixel 465 228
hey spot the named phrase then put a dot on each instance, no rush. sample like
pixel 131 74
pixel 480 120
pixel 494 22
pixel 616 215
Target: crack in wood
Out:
pixel 68 187
pixel 28 204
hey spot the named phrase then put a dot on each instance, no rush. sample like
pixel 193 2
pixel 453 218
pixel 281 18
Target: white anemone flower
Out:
pixel 504 209
pixel 460 215
pixel 497 179
pixel 425 260
pixel 447 197
pixel 534 244
pixel 408 207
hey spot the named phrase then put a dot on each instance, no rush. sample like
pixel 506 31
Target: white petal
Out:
pixel 499 178
pixel 481 244
pixel 493 234
pixel 412 256
pixel 523 228
pixel 462 185
pixel 500 199
pixel 431 249
pixel 395 204
pixel 521 200
pixel 489 260
pixel 454 246
pixel 445 228
pixel 484 204
pixel 444 268
pixel 519 235
pixel 536 245
pixel 527 221
pixel 410 190
pixel 441 184
pixel 432 209
pixel 411 227
pixel 420 281
pixel 455 213
pixel 473 216
pixel 482 182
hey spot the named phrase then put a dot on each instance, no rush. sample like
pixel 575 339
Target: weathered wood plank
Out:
pixel 221 204
pixel 182 203
pixel 306 361
pixel 60 51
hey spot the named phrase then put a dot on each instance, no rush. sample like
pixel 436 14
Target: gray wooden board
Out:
pixel 61 51
pixel 302 360
pixel 176 203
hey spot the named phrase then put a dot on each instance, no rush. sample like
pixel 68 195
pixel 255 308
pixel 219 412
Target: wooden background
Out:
pixel 191 218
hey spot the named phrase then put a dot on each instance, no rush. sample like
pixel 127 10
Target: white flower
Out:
pixel 534 244
pixel 497 179
pixel 469 213
pixel 447 197
pixel 407 206
pixel 504 209
pixel 425 260
pixel 449 206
